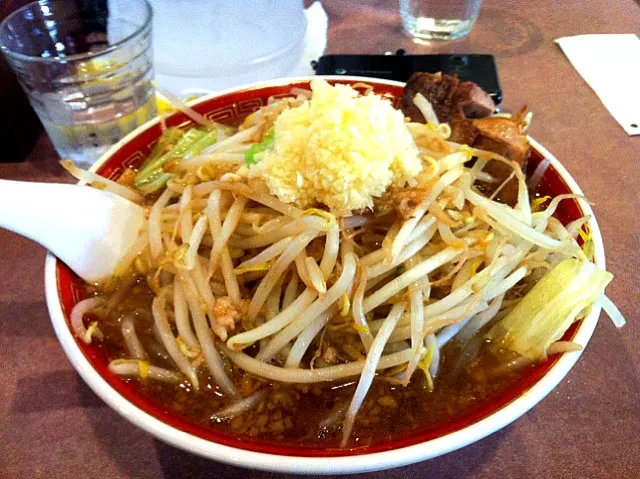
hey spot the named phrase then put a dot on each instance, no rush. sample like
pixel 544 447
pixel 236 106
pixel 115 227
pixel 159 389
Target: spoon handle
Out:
pixel 88 229
pixel 36 210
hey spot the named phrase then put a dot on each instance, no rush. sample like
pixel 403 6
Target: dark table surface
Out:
pixel 52 425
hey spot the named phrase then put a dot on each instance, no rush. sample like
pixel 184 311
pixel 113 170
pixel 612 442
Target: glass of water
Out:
pixel 86 68
pixel 427 20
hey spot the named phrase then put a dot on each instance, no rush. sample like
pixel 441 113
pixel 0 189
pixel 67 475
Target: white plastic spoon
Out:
pixel 89 229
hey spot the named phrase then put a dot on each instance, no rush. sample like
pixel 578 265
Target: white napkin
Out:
pixel 610 64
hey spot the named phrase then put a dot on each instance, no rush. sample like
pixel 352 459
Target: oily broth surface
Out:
pixel 291 414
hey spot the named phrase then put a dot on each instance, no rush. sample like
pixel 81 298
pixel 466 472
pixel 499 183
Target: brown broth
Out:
pixel 292 414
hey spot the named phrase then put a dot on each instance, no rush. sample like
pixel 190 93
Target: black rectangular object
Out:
pixel 480 69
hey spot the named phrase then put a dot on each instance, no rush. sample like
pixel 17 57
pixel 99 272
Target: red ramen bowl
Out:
pixel 64 289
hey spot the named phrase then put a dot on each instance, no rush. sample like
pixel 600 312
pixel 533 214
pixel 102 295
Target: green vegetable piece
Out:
pixel 250 156
pixel 152 176
pixel 268 140
pixel 267 143
pixel 196 148
pixel 547 311
pixel 169 137
pixel 190 138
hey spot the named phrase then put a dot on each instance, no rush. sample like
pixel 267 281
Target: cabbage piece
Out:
pixel 547 311
pixel 167 140
pixel 172 146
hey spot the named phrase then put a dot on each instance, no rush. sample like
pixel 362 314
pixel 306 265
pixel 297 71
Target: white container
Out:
pixel 211 45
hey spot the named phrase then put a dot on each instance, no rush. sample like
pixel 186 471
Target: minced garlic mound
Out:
pixel 339 149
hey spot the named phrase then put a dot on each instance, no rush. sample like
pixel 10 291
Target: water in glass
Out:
pixel 428 20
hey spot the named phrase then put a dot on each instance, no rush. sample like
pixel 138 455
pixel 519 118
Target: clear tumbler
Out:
pixel 428 20
pixel 86 68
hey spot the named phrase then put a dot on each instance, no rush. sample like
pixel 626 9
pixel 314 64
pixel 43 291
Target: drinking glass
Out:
pixel 428 20
pixel 86 67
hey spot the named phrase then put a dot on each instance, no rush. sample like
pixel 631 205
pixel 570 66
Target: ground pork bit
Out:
pixel 330 355
pixel 127 177
pixel 404 201
pixel 316 249
pixel 228 314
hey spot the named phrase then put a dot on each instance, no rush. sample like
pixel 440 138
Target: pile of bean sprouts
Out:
pixel 212 237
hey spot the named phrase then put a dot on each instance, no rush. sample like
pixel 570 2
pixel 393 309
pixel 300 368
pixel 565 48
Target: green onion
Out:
pixel 267 143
